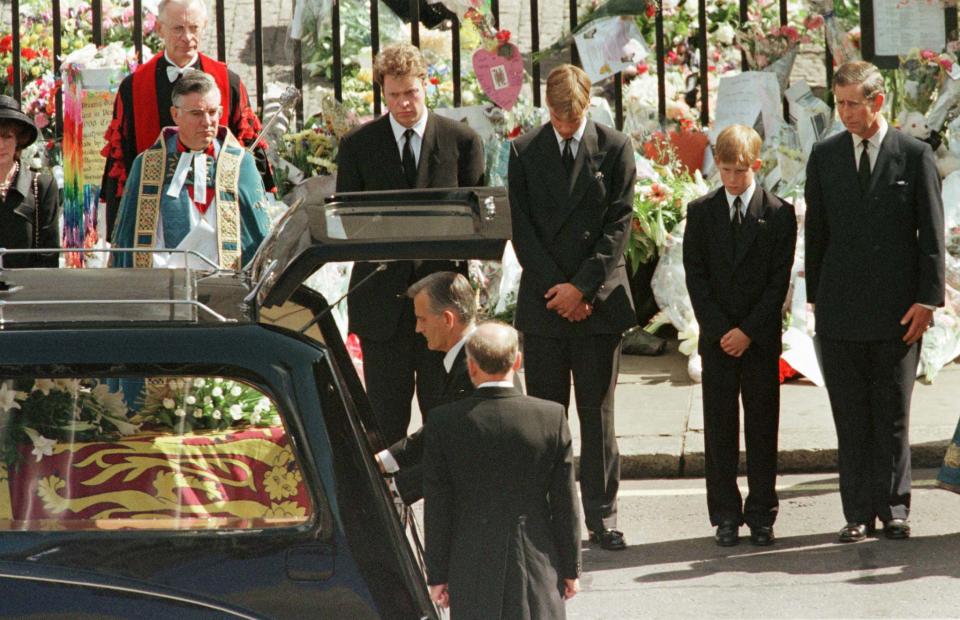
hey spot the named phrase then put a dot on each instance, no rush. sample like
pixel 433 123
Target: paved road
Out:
pixel 674 570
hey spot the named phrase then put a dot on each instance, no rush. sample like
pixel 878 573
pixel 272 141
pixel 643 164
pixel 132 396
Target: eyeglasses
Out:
pixel 200 114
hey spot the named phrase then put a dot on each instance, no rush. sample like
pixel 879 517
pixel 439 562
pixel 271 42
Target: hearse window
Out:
pixel 162 453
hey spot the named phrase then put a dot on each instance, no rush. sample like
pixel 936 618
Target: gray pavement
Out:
pixel 659 420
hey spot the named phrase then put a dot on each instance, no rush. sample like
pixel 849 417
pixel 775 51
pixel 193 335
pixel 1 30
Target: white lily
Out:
pixel 42 446
pixel 44 386
pixel 112 402
pixel 8 399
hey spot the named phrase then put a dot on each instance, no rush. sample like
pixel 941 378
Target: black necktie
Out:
pixel 736 223
pixel 567 157
pixel 863 170
pixel 409 162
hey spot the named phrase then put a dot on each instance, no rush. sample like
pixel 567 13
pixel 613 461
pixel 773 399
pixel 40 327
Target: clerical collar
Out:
pixel 182 148
pixel 184 67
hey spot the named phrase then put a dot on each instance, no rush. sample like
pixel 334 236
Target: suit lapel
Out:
pixel 721 217
pixel 889 161
pixel 755 213
pixel 388 153
pixel 583 166
pixel 429 152
pixel 551 169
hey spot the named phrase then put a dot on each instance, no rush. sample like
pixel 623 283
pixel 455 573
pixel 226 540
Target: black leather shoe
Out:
pixel 611 540
pixel 855 532
pixel 728 534
pixel 896 529
pixel 762 535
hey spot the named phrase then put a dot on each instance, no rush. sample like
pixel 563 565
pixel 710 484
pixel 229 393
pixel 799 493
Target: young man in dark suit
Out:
pixel 875 272
pixel 571 199
pixel 445 306
pixel 500 507
pixel 407 148
pixel 738 250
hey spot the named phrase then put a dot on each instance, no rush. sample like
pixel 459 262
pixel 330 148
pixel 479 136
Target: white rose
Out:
pixel 191 400
pixel 180 413
pixel 198 413
pixel 217 392
pixel 168 403
pixel 264 404
pixel 216 414
pixel 235 391
pixel 274 420
pixel 725 34
pixel 207 400
pixel 236 412
pixel 199 382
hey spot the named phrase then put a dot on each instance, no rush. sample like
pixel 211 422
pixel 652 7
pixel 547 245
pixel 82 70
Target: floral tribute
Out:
pixel 205 403
pixel 60 410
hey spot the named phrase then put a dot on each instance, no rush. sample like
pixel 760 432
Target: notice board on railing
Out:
pixel 891 28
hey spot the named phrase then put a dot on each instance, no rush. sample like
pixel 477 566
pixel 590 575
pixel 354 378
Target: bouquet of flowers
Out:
pixel 659 204
pixel 186 405
pixel 763 48
pixel 920 73
pixel 60 409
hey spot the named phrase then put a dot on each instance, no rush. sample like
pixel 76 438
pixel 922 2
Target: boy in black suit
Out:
pixel 737 253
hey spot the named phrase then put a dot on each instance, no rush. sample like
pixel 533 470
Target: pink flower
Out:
pixel 946 63
pixel 791 33
pixel 762 60
pixel 928 54
pixel 812 22
pixel 775 31
pixel 42 120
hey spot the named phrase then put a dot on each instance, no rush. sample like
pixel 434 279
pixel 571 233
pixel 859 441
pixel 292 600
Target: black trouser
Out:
pixel 870 385
pixel 594 362
pixel 754 377
pixel 391 370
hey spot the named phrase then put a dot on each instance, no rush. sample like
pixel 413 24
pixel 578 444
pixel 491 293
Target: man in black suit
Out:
pixel 875 271
pixel 407 148
pixel 445 306
pixel 738 248
pixel 500 511
pixel 571 198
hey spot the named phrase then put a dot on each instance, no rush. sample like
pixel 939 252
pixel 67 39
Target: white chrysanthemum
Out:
pixel 207 400
pixel 180 413
pixel 168 403
pixel 216 414
pixel 198 413
pixel 217 392
pixel 236 391
pixel 236 412
pixel 199 382
pixel 190 400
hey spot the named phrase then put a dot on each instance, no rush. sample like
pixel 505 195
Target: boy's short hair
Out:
pixel 399 60
pixel 568 92
pixel 738 144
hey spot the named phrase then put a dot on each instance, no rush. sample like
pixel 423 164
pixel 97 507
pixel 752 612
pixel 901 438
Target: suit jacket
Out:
pixel 573 230
pixel 869 257
pixel 743 288
pixel 451 155
pixel 408 451
pixel 501 511
pixel 22 214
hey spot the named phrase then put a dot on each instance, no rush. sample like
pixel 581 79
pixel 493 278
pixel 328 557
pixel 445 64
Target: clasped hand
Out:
pixel 566 300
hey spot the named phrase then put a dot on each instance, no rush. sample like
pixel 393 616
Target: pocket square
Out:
pixel 900 182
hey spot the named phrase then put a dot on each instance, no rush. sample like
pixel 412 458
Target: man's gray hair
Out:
pixel 493 346
pixel 863 73
pixel 448 290
pixel 163 5
pixel 193 81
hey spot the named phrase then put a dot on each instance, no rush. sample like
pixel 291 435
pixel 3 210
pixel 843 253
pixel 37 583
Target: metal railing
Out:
pixel 218 7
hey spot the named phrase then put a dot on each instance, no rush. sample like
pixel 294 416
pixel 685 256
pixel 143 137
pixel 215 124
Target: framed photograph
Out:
pixel 891 28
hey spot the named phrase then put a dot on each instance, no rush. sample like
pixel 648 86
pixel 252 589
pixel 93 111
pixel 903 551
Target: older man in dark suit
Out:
pixel 446 308
pixel 875 271
pixel 571 199
pixel 500 512
pixel 407 148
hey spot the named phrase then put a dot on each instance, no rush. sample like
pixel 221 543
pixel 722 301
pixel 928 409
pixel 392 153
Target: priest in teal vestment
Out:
pixel 195 189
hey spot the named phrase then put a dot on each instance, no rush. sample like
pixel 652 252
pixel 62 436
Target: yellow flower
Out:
pixel 284 510
pixel 281 483
pixel 365 75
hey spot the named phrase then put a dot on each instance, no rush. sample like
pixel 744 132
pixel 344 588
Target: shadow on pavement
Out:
pixel 874 561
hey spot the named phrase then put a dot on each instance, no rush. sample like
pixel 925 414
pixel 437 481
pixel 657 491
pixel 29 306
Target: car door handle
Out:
pixel 314 562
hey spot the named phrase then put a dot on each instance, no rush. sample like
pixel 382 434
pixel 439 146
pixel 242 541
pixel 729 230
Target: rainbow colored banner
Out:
pixel 87 111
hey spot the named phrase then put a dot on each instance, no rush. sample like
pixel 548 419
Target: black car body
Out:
pixel 342 552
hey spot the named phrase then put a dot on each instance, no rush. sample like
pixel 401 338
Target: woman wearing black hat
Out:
pixel 30 211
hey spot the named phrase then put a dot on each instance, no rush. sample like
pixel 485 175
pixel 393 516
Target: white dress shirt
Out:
pixel 416 140
pixel 575 138
pixel 873 144
pixel 745 198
